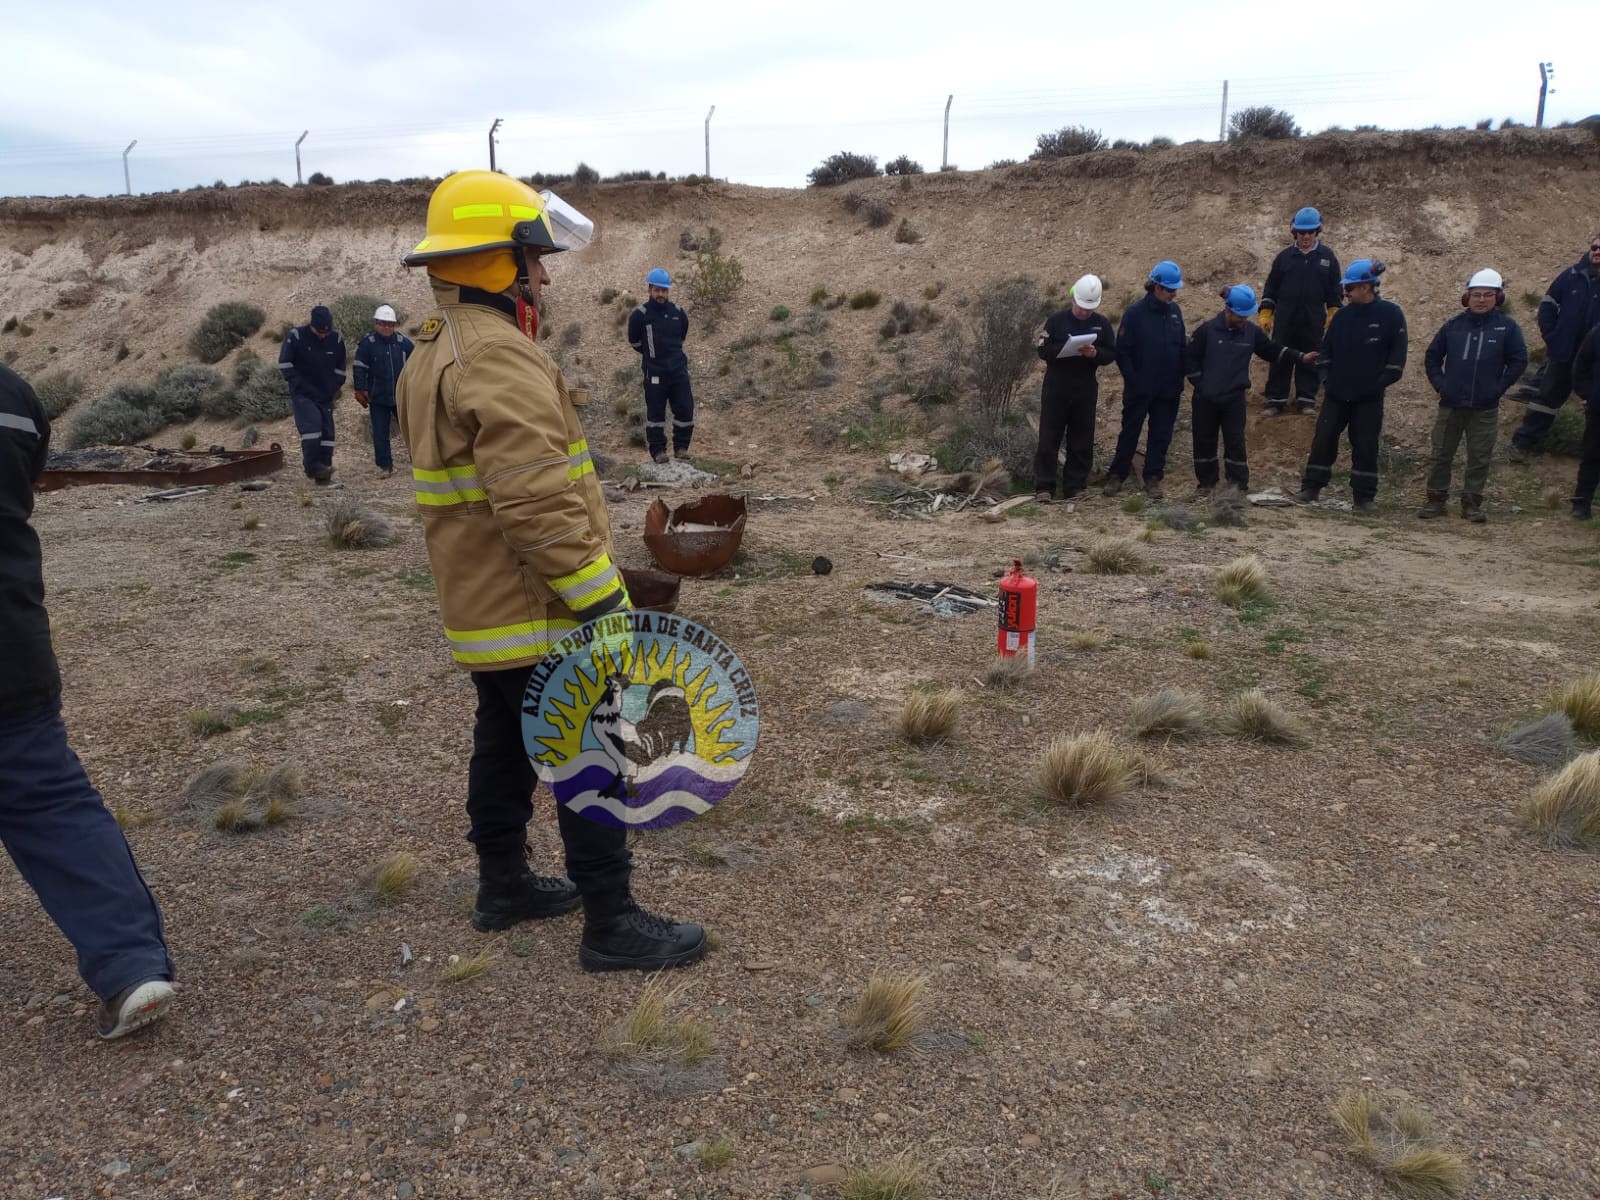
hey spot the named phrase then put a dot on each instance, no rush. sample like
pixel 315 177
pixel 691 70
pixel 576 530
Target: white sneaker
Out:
pixel 133 1008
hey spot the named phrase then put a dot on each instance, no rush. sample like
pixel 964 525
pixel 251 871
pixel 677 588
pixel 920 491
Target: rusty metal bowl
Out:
pixel 695 551
pixel 652 589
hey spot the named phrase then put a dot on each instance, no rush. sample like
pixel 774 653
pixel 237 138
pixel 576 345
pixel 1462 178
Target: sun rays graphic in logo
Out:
pixel 640 720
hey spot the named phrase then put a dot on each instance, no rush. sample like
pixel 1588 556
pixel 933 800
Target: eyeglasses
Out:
pixel 1594 245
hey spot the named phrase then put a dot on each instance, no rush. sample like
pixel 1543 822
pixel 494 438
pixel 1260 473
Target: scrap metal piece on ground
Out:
pixel 180 493
pixel 946 599
pixel 698 538
pixel 655 590
pixel 168 468
pixel 1271 498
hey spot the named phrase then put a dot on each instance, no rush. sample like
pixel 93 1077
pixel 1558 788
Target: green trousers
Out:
pixel 1480 426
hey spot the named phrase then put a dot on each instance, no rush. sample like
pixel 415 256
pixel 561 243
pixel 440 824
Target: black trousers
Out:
pixel 1286 370
pixel 1064 411
pixel 1364 420
pixel 1589 460
pixel 1541 414
pixel 500 783
pixel 1224 415
pixel 1163 416
pixel 661 391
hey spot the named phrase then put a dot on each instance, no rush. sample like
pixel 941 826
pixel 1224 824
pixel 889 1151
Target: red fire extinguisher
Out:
pixel 1019 602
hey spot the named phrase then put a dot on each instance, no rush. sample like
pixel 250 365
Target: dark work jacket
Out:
pixel 29 679
pixel 1218 359
pixel 379 361
pixel 1363 352
pixel 1570 308
pixel 1075 376
pixel 1150 349
pixel 1300 287
pixel 657 331
pixel 1475 358
pixel 312 367
pixel 1586 368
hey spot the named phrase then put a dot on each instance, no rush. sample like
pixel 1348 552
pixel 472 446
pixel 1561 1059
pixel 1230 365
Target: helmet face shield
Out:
pixel 569 228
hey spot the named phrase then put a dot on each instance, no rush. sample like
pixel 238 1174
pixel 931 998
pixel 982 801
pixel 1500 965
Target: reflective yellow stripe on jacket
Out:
pixel 507 642
pixel 589 585
pixel 453 485
pixel 579 463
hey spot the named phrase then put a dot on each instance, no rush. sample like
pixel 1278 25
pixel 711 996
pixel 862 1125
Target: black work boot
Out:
pixel 1435 507
pixel 618 935
pixel 1307 495
pixel 509 893
pixel 1582 510
pixel 1472 509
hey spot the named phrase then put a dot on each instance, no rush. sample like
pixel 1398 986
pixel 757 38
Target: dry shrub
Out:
pixel 234 817
pixel 1114 556
pixel 929 716
pixel 1242 580
pixel 462 969
pixel 898 1178
pixel 651 1031
pixel 394 876
pixel 1255 717
pixel 1168 713
pixel 1581 702
pixel 1564 811
pixel 1198 649
pixel 1087 639
pixel 1007 673
pixel 887 1014
pixel 215 784
pixel 1402 1147
pixel 1175 517
pixel 280 783
pixel 354 526
pixel 208 722
pixel 1086 769
pixel 1547 742
pixel 1229 510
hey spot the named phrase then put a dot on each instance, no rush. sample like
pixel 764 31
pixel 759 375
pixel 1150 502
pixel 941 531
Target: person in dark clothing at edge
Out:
pixel 1586 379
pixel 657 330
pixel 1218 365
pixel 1150 349
pixel 312 361
pixel 1569 310
pixel 1363 353
pixel 1067 403
pixel 1472 362
pixel 380 357
pixel 53 823
pixel 1297 304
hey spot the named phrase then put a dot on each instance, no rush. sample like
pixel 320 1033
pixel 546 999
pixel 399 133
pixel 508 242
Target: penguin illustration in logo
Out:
pixel 667 727
pixel 616 735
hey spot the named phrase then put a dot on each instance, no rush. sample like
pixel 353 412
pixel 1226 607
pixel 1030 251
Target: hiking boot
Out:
pixel 1582 510
pixel 1152 489
pixel 1519 455
pixel 133 1008
pixel 659 456
pixel 322 475
pixel 1307 495
pixel 506 898
pixel 1205 491
pixel 1112 487
pixel 618 935
pixel 1365 506
pixel 1472 509
pixel 1044 498
pixel 1435 507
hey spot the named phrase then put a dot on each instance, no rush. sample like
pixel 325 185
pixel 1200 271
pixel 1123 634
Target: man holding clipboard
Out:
pixel 1077 341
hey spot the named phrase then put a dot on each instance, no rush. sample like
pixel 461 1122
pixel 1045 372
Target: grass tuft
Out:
pixel 1547 742
pixel 1254 717
pixel 650 1031
pixel 898 1178
pixel 1198 649
pixel 929 716
pixel 1134 503
pixel 1563 812
pixel 1114 556
pixel 1007 673
pixel 1175 517
pixel 1167 713
pixel 716 1154
pixel 354 526
pixel 1401 1146
pixel 887 1014
pixel 215 784
pixel 234 817
pixel 463 969
pixel 1085 770
pixel 208 722
pixel 251 521
pixel 1241 581
pixel 394 876
pixel 1581 702
pixel 1087 639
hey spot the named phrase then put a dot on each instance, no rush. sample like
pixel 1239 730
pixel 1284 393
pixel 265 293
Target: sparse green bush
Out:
pixel 183 392
pixel 318 179
pixel 224 327
pixel 129 412
pixel 1003 355
pixel 717 278
pixel 866 298
pixel 1160 143
pixel 876 213
pixel 585 175
pixel 1068 142
pixel 352 317
pixel 780 312
pixel 905 234
pixel 58 391
pixel 1261 121
pixel 842 168
pixel 819 294
pixel 263 396
pixel 904 165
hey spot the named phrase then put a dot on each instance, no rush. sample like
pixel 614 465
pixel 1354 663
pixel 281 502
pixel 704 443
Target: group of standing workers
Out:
pixel 1319 328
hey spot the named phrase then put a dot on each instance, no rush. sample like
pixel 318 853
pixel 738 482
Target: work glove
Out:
pixel 1265 321
pixel 363 399
pixel 1329 320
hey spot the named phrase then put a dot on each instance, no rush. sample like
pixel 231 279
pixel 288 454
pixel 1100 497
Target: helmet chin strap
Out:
pixel 527 304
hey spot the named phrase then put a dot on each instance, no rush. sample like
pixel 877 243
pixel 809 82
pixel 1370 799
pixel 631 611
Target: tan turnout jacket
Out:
pixel 511 508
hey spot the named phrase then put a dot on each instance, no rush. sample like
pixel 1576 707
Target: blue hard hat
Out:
pixel 658 277
pixel 1307 220
pixel 1241 300
pixel 1362 270
pixel 1167 274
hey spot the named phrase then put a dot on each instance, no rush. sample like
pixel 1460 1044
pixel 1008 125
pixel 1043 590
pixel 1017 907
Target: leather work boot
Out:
pixel 1472 509
pixel 1112 487
pixel 1519 456
pixel 509 893
pixel 1365 506
pixel 618 935
pixel 1307 495
pixel 1435 507
pixel 1152 489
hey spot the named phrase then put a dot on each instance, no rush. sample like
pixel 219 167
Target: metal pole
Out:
pixel 297 141
pixel 1222 127
pixel 944 163
pixel 492 129
pixel 127 183
pixel 1544 88
pixel 708 140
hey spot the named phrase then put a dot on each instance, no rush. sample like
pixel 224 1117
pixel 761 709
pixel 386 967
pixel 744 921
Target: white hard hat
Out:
pixel 384 313
pixel 1486 278
pixel 1087 291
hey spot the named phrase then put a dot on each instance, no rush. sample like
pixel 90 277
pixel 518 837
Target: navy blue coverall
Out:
pixel 657 329
pixel 313 368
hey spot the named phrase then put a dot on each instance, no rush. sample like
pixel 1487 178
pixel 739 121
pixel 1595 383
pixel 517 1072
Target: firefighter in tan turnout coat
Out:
pixel 520 544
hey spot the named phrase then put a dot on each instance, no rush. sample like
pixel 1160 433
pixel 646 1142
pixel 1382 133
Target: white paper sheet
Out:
pixel 1076 343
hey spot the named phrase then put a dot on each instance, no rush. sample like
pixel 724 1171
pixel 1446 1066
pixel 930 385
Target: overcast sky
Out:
pixel 221 91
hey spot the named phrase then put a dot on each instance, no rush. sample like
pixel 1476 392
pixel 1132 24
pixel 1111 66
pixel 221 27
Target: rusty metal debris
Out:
pixel 146 466
pixel 698 538
pixel 652 589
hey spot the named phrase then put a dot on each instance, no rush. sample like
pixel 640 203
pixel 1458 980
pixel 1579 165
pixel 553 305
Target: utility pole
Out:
pixel 708 140
pixel 944 163
pixel 1546 73
pixel 1222 127
pixel 297 177
pixel 492 129
pixel 127 183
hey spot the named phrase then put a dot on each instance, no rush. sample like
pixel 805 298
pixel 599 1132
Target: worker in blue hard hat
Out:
pixel 657 329
pixel 1150 343
pixel 1301 295
pixel 1218 365
pixel 1363 354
